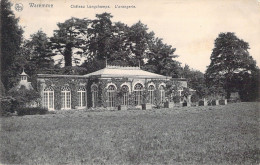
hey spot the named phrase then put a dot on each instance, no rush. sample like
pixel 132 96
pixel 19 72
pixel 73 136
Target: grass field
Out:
pixel 189 135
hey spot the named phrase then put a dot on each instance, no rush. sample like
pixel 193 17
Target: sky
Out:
pixel 190 26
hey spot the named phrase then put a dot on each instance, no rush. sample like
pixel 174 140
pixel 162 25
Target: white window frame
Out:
pixel 138 90
pixel 162 93
pixel 111 95
pixel 48 98
pixel 125 99
pixel 82 102
pixel 65 97
pixel 151 89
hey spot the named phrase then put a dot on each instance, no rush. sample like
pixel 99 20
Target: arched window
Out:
pixel 162 93
pixel 151 94
pixel 94 92
pixel 48 98
pixel 125 95
pixel 138 90
pixel 82 97
pixel 65 98
pixel 111 93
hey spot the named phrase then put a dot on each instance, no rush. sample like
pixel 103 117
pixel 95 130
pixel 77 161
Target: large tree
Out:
pixel 100 43
pixel 40 55
pixel 70 38
pixel 11 39
pixel 159 59
pixel 230 63
pixel 140 39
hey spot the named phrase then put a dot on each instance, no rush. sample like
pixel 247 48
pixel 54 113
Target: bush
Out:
pixel 8 104
pixel 24 96
pixel 194 98
pixel 31 111
pixel 176 99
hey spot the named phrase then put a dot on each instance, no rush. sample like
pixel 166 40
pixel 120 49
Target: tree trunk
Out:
pixel 228 94
pixel 68 55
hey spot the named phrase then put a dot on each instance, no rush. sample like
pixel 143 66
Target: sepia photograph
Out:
pixel 129 82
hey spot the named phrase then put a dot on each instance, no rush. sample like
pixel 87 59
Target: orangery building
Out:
pixel 110 87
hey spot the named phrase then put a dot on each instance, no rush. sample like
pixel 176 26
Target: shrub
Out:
pixel 31 111
pixel 201 103
pixel 24 96
pixel 194 98
pixel 176 99
pixel 8 104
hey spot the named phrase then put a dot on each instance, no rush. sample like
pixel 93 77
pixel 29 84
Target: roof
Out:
pixel 23 73
pixel 129 72
pixel 58 75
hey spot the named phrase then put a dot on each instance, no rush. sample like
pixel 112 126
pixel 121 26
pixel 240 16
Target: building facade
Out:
pixel 110 87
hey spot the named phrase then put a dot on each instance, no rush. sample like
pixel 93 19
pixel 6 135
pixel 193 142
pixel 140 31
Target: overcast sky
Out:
pixel 190 26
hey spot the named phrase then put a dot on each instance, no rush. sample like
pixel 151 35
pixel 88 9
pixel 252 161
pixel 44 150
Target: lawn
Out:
pixel 188 135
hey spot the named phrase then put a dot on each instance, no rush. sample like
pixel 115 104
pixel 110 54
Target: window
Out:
pixel 151 94
pixel 94 92
pixel 111 93
pixel 162 93
pixel 48 98
pixel 125 96
pixel 82 97
pixel 23 77
pixel 138 91
pixel 65 98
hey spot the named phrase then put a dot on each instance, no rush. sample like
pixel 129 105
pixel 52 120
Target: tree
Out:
pixel 160 59
pixel 71 38
pixel 230 63
pixel 139 38
pixel 121 54
pixel 119 44
pixel 100 45
pixel 11 38
pixel 39 54
pixel 195 80
pixel 35 56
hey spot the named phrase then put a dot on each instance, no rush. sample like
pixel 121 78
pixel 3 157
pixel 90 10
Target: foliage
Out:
pixel 11 39
pixel 196 81
pixel 176 99
pixel 8 104
pixel 71 38
pixel 186 92
pixel 40 54
pixel 101 36
pixel 160 59
pixel 58 83
pixel 23 96
pixel 139 38
pixel 249 86
pixel 172 90
pixel 230 64
pixel 194 98
pixel 93 65
pixel 121 45
pixel 216 92
pixel 2 89
pixel 35 56
pixel 31 111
